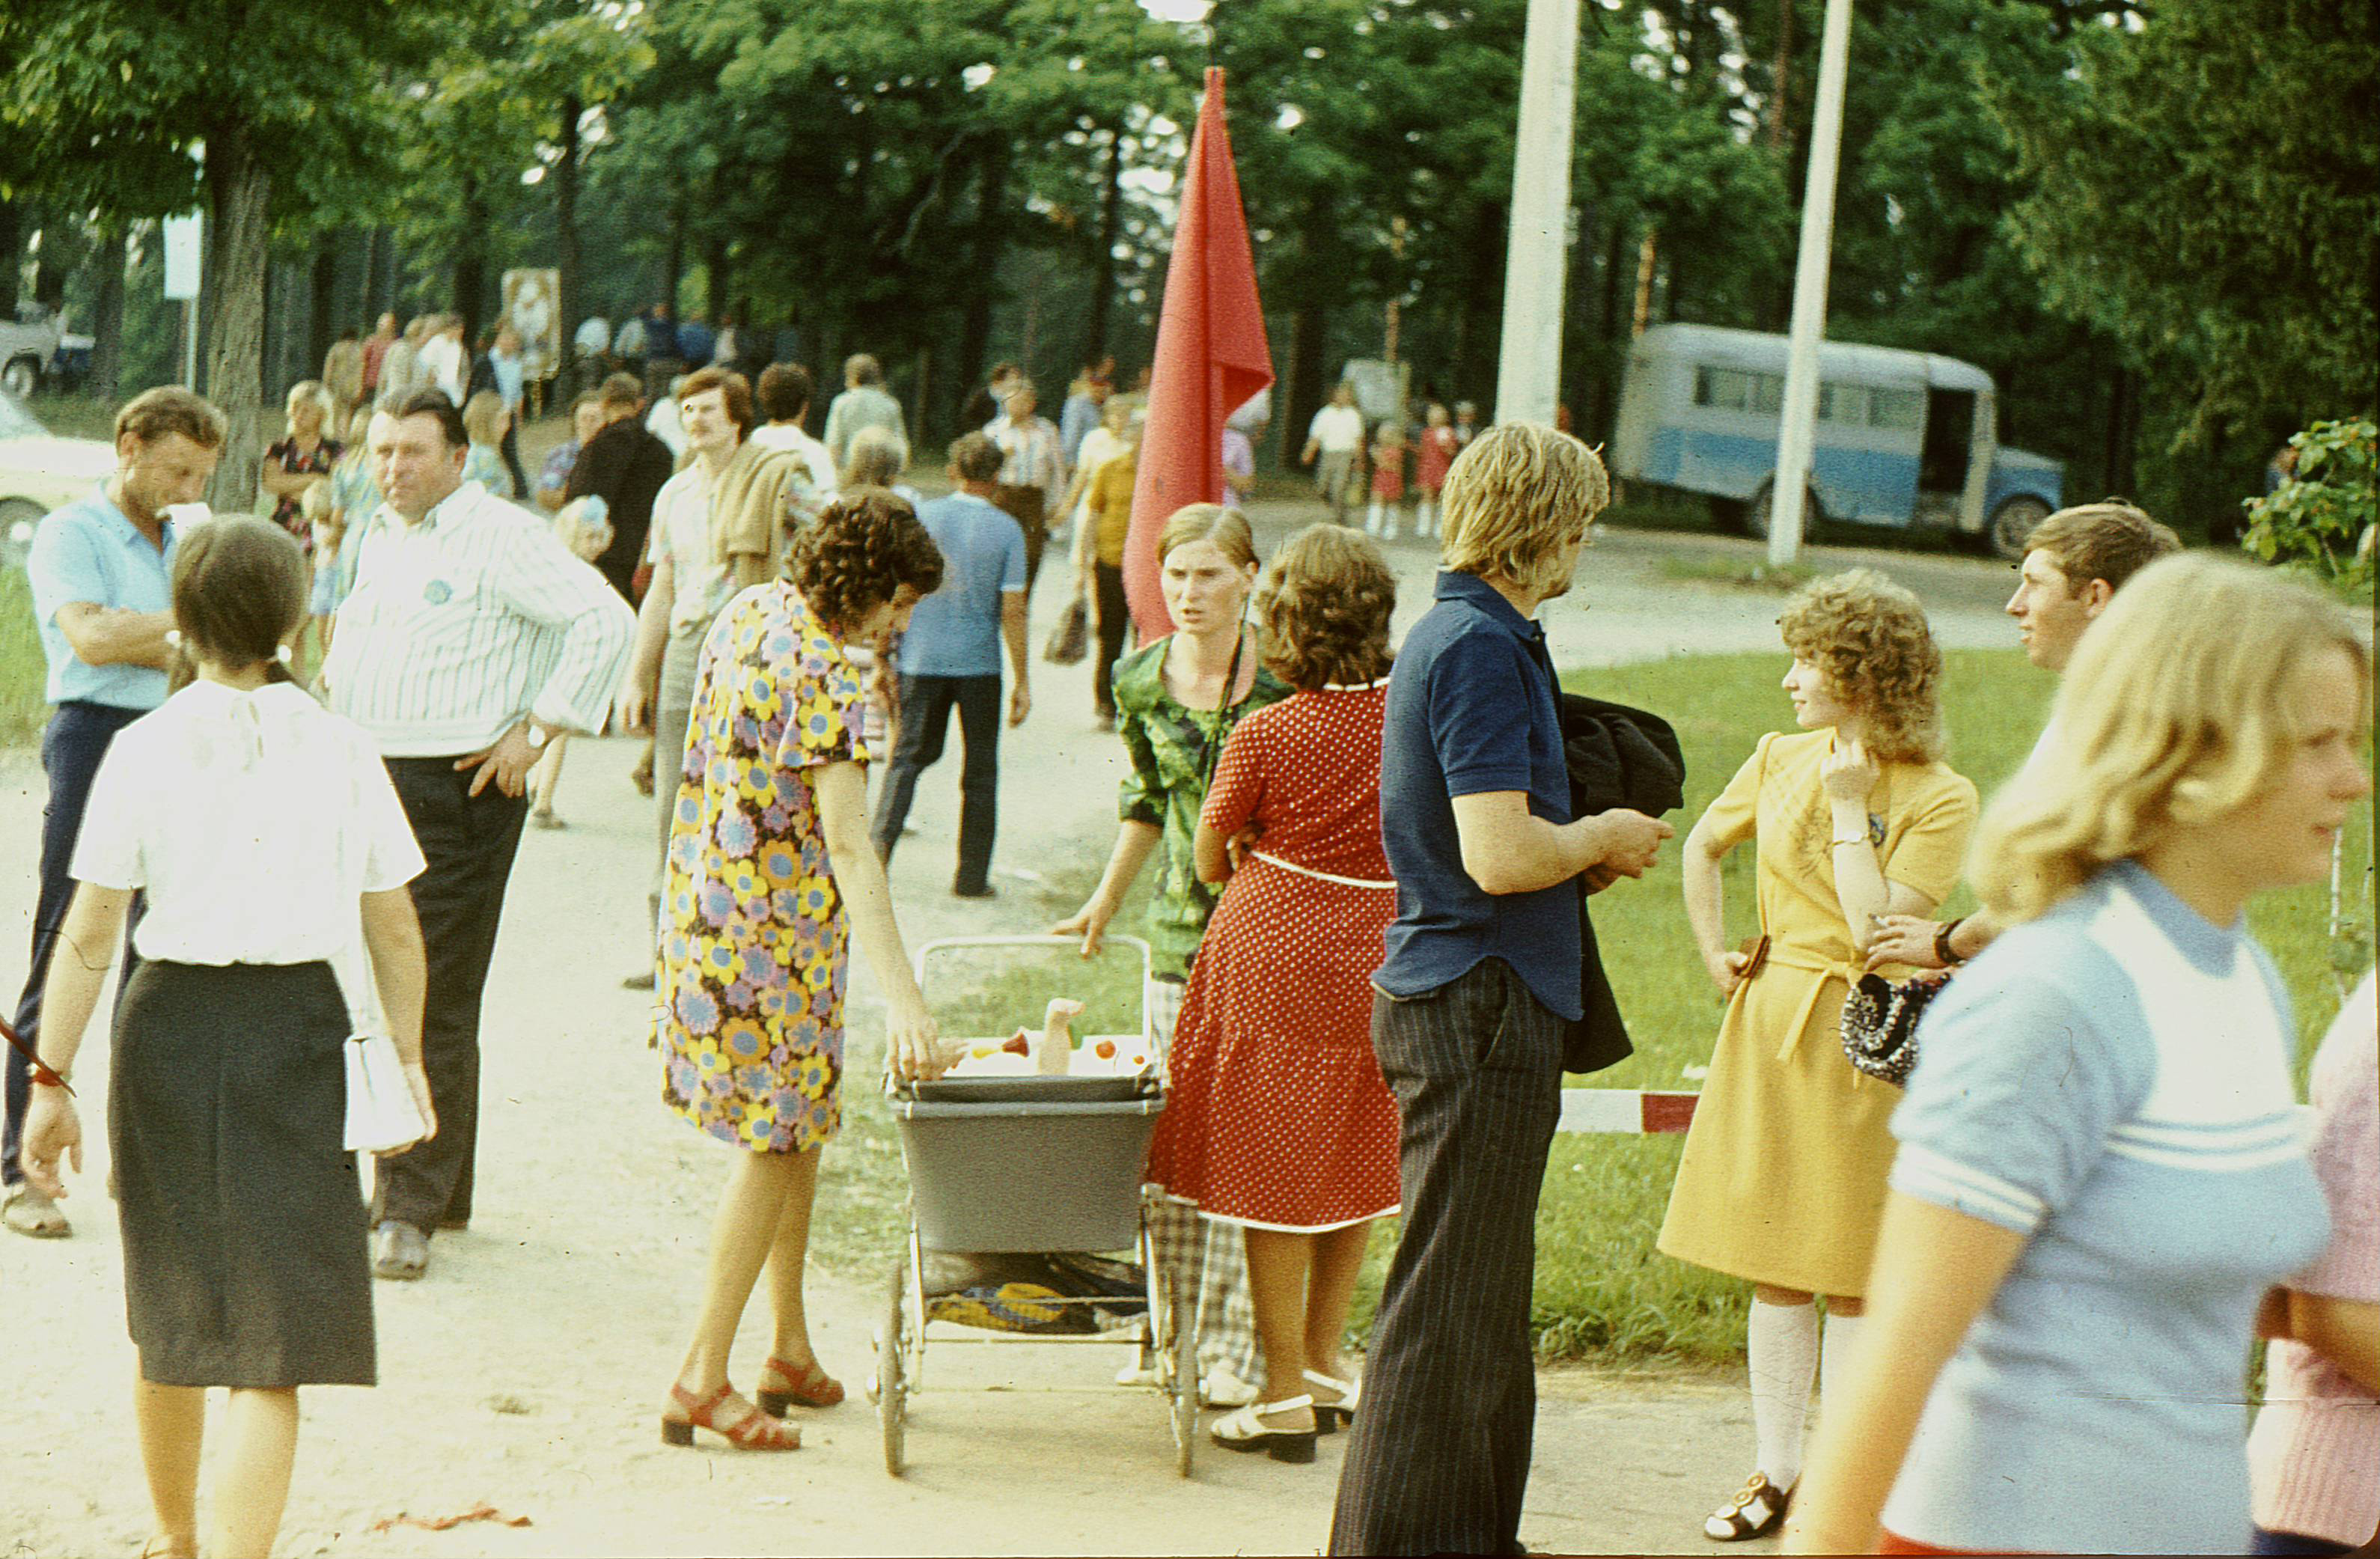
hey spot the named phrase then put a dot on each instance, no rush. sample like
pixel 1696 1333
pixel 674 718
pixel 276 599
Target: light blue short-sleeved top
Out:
pixel 2112 1082
pixel 956 631
pixel 89 552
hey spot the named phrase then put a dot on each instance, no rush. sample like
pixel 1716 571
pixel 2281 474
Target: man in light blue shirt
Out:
pixel 100 598
pixel 951 658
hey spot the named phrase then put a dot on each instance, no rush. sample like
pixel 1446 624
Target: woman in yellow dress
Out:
pixel 1782 1180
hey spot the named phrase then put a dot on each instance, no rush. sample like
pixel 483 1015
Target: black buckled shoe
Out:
pixel 1757 1509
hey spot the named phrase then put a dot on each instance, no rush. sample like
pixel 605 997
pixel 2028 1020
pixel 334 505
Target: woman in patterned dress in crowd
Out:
pixel 1280 1124
pixel 770 873
pixel 1177 702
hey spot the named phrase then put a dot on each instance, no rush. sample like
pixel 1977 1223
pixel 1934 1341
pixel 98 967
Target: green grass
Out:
pixel 22 708
pixel 1735 573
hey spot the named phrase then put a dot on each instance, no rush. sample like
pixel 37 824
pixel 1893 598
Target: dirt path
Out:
pixel 525 1372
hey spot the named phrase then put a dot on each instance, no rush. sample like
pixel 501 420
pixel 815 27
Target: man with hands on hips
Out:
pixel 471 637
pixel 2074 563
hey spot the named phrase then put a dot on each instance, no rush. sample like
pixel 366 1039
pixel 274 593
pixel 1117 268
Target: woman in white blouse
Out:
pixel 264 834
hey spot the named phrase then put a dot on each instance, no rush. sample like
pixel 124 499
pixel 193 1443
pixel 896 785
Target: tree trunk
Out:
pixel 12 253
pixel 975 323
pixel 565 232
pixel 470 283
pixel 1604 407
pixel 674 263
pixel 1310 330
pixel 240 195
pixel 1783 71
pixel 2122 470
pixel 107 319
pixel 718 278
pixel 1103 264
pixel 323 305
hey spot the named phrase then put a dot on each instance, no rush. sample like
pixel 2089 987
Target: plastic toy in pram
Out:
pixel 1051 1051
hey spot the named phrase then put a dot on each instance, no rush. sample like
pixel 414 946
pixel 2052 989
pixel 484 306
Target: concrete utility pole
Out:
pixel 1528 374
pixel 1799 428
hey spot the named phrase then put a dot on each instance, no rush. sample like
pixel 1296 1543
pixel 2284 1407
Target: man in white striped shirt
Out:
pixel 471 637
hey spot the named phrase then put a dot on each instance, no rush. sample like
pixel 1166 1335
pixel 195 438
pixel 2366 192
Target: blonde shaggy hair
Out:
pixel 1514 498
pixel 2177 709
pixel 1868 635
pixel 1324 607
pixel 2112 540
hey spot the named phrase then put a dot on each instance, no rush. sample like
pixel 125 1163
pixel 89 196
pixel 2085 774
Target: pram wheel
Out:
pixel 892 1377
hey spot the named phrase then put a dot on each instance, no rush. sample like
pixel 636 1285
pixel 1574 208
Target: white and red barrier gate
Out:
pixel 1625 1112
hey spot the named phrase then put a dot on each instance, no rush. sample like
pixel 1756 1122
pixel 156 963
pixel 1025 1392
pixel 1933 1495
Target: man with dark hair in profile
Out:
pixel 784 393
pixel 625 466
pixel 473 637
pixel 949 658
pixel 990 400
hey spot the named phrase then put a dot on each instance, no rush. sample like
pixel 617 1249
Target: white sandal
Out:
pixel 1246 1431
pixel 1329 1415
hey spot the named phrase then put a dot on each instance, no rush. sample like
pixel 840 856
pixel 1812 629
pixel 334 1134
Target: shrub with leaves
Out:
pixel 2322 518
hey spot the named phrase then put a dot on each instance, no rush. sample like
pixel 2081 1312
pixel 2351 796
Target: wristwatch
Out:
pixel 537 737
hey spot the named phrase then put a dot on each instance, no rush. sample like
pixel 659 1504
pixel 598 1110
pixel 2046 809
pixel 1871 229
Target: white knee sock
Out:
pixel 1834 1358
pixel 1782 1343
pixel 1424 516
pixel 1372 519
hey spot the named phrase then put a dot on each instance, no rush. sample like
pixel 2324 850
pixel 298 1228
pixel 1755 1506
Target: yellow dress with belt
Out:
pixel 1782 1180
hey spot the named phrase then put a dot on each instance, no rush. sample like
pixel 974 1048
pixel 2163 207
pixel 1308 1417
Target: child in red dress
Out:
pixel 1279 1120
pixel 1388 479
pixel 1439 448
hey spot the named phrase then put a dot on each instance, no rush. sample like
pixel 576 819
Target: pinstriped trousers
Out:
pixel 1439 1453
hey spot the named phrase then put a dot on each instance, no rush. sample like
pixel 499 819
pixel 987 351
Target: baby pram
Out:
pixel 1032 1176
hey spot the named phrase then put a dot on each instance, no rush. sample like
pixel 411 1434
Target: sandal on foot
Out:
pixel 1757 1509
pixel 799 1386
pixel 753 1431
pixel 1246 1431
pixel 1329 1415
pixel 31 1213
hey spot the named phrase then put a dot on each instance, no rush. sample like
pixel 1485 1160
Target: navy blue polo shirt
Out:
pixel 1471 709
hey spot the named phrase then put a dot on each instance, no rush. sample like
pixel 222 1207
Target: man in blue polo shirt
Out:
pixel 1481 974
pixel 950 658
pixel 98 570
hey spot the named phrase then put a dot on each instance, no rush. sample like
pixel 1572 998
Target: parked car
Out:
pixel 40 471
pixel 1903 438
pixel 27 346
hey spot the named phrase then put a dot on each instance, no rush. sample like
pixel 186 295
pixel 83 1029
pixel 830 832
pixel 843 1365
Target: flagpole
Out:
pixel 1528 375
pixel 1798 425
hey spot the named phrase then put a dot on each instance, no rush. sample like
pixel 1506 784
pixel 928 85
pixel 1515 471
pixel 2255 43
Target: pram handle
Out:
pixel 1113 939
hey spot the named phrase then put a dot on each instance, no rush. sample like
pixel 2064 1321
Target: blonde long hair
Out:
pixel 1515 497
pixel 2176 710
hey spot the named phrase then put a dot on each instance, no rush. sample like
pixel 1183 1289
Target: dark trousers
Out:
pixel 510 450
pixel 1029 508
pixel 469 841
pixel 1116 619
pixel 926 703
pixel 1440 1454
pixel 72 744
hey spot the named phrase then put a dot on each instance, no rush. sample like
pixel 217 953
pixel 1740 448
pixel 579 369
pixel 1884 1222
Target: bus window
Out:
pixel 1725 388
pixel 1843 403
pixel 1901 410
pixel 1769 393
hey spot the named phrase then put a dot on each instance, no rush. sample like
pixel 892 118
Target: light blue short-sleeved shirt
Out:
pixel 89 552
pixel 2112 1082
pixel 956 631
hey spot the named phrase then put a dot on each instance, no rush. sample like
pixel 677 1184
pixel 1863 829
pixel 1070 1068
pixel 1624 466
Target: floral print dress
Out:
pixel 754 948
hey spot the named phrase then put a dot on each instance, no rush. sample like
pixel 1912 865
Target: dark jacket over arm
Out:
pixel 1617 757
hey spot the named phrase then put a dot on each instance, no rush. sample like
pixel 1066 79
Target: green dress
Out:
pixel 1173 751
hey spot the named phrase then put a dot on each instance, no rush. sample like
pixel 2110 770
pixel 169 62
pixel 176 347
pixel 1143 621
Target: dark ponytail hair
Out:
pixel 240 592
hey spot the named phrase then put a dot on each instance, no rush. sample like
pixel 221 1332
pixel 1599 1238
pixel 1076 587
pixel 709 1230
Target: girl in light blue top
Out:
pixel 2100 1171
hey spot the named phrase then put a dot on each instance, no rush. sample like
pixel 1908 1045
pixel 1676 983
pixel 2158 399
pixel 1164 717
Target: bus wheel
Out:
pixel 1755 515
pixel 2012 527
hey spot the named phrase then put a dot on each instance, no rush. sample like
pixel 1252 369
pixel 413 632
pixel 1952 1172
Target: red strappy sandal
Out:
pixel 806 1387
pixel 755 1430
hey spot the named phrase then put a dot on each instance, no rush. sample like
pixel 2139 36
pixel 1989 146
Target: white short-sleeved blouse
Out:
pixel 255 821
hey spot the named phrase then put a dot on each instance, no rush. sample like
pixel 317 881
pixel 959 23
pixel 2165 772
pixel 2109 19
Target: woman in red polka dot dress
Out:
pixel 1279 1120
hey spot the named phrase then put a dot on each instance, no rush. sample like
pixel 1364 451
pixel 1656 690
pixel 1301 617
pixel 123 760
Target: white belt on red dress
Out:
pixel 1320 876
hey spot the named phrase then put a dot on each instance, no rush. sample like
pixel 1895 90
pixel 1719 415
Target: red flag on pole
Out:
pixel 1211 357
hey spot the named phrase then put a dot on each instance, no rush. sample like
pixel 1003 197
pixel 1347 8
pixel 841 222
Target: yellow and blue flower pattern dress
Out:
pixel 754 949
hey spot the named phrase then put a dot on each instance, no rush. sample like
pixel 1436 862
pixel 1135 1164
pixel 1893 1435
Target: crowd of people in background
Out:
pixel 2022 1271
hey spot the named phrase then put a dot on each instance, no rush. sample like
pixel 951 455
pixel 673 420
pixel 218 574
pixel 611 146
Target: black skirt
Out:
pixel 245 1233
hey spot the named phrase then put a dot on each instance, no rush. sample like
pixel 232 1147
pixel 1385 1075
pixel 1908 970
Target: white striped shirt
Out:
pixel 460 625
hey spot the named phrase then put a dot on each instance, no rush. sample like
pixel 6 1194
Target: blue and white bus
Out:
pixel 1903 438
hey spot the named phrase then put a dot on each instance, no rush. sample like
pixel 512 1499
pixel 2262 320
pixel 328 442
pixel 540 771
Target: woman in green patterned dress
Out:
pixel 1177 702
